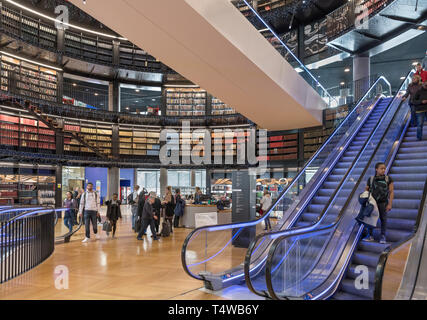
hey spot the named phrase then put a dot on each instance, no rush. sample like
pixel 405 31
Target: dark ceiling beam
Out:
pixel 338 47
pixel 319 8
pixel 401 19
pixel 368 35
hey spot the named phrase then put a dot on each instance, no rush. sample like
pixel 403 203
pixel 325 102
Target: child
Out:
pixel 382 190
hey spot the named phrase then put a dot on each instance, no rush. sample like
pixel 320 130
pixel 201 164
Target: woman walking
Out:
pixel 114 212
pixel 71 206
pixel 169 204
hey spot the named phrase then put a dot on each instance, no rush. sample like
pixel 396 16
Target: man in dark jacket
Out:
pixel 148 218
pixel 412 90
pixel 420 103
pixel 113 212
pixel 157 207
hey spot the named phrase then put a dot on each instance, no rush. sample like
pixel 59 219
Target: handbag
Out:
pixel 106 226
pixel 138 224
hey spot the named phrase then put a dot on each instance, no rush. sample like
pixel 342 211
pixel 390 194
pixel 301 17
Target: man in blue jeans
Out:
pixel 90 207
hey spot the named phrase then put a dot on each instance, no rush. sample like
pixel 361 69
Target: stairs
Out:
pixel 409 173
pixel 53 125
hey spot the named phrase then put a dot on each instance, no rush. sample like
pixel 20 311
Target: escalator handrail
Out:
pixel 301 65
pixel 380 268
pixel 69 234
pixel 319 219
pixel 284 192
pixel 331 226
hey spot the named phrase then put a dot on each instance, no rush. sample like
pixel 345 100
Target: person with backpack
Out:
pixel 89 208
pixel 381 187
pixel 70 204
pixel 179 208
pixel 113 212
pixel 148 218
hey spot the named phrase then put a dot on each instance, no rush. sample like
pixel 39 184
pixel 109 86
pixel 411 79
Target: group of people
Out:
pixel 146 209
pixel 417 93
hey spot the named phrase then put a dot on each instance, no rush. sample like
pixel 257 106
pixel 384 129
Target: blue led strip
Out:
pixel 286 47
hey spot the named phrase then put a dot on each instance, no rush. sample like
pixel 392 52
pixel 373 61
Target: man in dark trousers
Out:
pixel 157 207
pixel 420 103
pixel 148 218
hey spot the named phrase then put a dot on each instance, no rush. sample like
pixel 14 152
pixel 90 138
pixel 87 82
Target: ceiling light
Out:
pixel 96 94
pixel 415 63
pixel 342 83
pixel 136 90
pixel 64 23
pixel 31 61
pixel 347 70
pixel 402 78
pixel 74 84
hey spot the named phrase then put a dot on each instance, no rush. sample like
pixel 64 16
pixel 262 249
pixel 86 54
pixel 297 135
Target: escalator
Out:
pixel 209 253
pixel 328 261
pixel 409 171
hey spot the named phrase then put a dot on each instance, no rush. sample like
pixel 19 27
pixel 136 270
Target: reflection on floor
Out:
pixel 121 268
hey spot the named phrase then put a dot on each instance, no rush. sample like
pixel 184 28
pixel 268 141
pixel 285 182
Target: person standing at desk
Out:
pixel 198 196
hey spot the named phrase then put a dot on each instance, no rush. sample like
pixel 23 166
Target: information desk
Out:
pixel 188 220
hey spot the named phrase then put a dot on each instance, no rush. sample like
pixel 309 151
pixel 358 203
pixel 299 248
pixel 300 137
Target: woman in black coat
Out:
pixel 169 204
pixel 114 212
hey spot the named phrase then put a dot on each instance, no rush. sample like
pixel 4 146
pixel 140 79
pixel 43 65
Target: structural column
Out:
pixel 361 73
pixel 208 182
pixel 60 47
pixel 113 181
pixel 58 186
pixel 114 96
pixel 163 181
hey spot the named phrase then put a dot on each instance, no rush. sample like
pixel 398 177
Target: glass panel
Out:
pixel 219 243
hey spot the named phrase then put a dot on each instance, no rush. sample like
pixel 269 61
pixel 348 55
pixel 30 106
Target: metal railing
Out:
pixel 26 240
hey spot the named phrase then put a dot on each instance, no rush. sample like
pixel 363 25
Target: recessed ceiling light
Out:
pixel 96 94
pixel 136 90
pixel 415 63
pixel 402 78
pixel 342 83
pixel 74 84
pixel 347 70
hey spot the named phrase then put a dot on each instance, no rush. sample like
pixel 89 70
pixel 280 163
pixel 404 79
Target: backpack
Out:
pixel 85 197
pixel 378 189
pixel 179 208
pixel 166 232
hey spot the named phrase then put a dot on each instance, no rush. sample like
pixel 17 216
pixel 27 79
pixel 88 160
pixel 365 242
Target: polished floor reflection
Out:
pixel 120 268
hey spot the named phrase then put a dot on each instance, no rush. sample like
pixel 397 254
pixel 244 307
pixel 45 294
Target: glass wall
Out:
pixel 140 99
pixel 85 94
pixel 149 179
pixel 72 177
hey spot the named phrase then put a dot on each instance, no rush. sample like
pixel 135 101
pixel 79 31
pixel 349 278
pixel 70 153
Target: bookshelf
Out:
pixel 28 79
pixel 282 147
pixel 139 141
pixel 96 134
pixel 27 185
pixel 185 102
pixel 18 131
pixel 220 108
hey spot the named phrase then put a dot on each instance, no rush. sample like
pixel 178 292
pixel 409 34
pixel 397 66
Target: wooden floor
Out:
pixel 121 268
pixel 124 268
